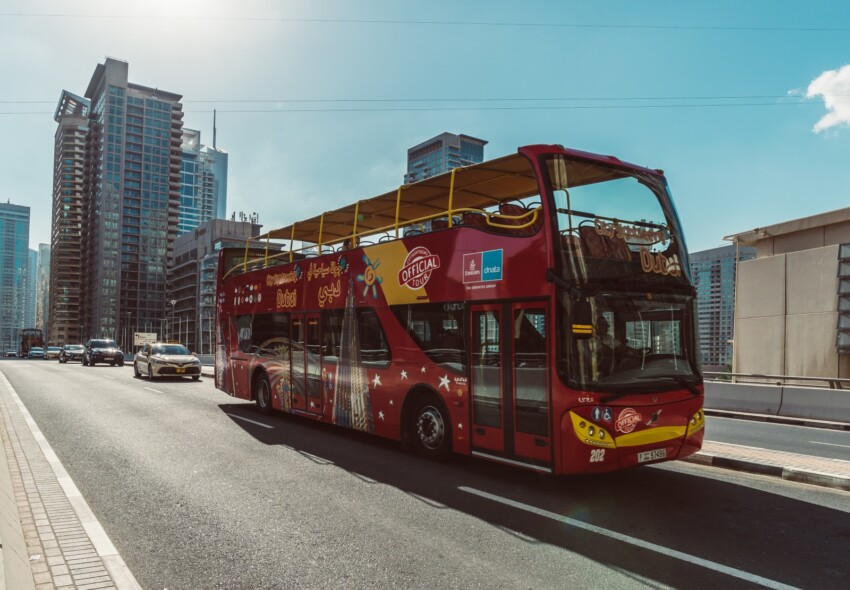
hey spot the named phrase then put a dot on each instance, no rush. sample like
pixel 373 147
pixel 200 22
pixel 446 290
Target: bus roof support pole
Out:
pixel 356 215
pixel 397 207
pixel 266 261
pixel 452 195
pixel 291 242
pixel 245 256
pixel 321 228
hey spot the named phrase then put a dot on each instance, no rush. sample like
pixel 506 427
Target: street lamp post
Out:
pixel 173 302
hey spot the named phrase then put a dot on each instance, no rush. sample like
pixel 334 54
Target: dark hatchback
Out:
pixel 101 350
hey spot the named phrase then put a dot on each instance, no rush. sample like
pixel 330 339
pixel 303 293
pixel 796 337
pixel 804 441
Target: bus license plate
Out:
pixel 181 370
pixel 652 455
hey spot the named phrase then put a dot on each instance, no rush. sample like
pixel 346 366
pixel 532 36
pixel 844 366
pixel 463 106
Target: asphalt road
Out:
pixel 197 490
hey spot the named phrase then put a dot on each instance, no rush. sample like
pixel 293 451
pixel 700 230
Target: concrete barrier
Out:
pixel 815 403
pixel 739 397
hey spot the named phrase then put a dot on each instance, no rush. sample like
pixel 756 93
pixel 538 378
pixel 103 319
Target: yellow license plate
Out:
pixel 181 370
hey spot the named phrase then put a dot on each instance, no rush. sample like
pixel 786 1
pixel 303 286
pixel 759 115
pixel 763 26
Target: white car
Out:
pixel 166 360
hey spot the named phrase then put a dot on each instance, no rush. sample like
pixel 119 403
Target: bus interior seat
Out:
pixel 596 245
pixel 441 223
pixel 473 219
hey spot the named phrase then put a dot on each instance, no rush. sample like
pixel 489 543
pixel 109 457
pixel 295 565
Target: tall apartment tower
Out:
pixel 203 183
pixel 14 272
pixel 131 188
pixel 42 290
pixel 31 301
pixel 69 150
pixel 715 273
pixel 441 154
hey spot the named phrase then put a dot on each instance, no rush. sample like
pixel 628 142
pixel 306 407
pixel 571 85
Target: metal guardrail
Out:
pixel 780 380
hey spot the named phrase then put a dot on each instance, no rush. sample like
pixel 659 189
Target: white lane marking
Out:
pixel 154 390
pixel 633 541
pixel 106 550
pixel 814 442
pixel 251 421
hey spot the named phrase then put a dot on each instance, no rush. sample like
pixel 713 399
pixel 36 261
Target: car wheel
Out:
pixel 150 373
pixel 195 377
pixel 112 364
pixel 136 372
pixel 120 363
pixel 430 429
pixel 263 395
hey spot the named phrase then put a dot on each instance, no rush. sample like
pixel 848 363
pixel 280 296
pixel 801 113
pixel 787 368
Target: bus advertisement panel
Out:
pixel 534 310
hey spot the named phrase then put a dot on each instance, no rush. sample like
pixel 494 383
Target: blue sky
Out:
pixel 379 76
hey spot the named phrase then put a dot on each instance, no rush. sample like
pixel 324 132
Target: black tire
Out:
pixel 150 373
pixel 263 395
pixel 136 373
pixel 84 362
pixel 430 430
pixel 195 377
pixel 112 364
pixel 120 363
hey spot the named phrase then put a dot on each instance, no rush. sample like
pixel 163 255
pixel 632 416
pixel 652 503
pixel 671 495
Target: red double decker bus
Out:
pixel 536 310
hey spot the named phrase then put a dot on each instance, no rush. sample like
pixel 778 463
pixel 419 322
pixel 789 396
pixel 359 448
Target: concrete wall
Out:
pixel 786 309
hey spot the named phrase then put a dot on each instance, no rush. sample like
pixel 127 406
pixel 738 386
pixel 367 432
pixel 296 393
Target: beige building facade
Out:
pixel 788 300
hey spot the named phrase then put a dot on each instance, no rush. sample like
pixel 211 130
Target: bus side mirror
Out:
pixel 582 327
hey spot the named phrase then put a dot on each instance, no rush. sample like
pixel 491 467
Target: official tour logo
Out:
pixel 627 420
pixel 417 268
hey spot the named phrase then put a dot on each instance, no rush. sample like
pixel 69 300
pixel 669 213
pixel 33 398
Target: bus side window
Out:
pixel 373 343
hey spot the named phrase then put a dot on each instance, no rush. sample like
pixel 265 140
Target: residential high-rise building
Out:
pixel 69 149
pixel 42 290
pixel 14 272
pixel 31 298
pixel 441 154
pixel 714 273
pixel 131 188
pixel 203 183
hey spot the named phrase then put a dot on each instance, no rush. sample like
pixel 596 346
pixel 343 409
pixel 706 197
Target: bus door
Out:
pixel 306 367
pixel 509 383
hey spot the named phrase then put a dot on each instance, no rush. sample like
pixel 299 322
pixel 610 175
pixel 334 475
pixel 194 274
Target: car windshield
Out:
pixel 171 349
pixel 74 347
pixel 103 344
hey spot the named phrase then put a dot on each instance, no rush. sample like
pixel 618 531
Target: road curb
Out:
pixel 808 422
pixel 788 473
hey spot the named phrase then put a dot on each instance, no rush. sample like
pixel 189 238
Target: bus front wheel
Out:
pixel 263 395
pixel 430 429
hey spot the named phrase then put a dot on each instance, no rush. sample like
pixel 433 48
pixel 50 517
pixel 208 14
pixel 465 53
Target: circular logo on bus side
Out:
pixel 417 268
pixel 628 419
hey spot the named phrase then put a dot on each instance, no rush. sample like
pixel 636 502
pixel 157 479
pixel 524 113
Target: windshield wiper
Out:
pixel 686 383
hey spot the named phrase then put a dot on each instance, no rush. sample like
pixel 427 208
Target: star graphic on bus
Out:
pixel 444 382
pixel 403 375
pixel 370 277
pixel 376 381
pixel 460 425
pixel 423 369
pixel 380 415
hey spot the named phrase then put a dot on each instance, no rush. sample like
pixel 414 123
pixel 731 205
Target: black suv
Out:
pixel 101 350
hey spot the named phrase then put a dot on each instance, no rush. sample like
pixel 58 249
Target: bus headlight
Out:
pixel 590 434
pixel 696 423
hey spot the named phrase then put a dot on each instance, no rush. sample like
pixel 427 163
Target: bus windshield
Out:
pixel 640 341
pixel 615 224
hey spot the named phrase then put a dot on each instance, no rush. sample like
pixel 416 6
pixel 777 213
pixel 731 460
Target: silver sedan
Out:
pixel 166 360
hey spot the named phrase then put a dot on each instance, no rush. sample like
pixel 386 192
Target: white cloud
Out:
pixel 834 87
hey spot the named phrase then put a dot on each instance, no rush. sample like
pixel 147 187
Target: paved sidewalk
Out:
pixel 832 473
pixel 65 544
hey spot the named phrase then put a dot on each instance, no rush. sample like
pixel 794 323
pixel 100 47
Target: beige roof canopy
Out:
pixel 475 187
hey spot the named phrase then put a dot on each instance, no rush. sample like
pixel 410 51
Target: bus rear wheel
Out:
pixel 430 429
pixel 263 395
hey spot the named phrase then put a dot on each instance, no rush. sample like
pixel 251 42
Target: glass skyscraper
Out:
pixel 714 273
pixel 203 183
pixel 131 199
pixel 441 154
pixel 14 272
